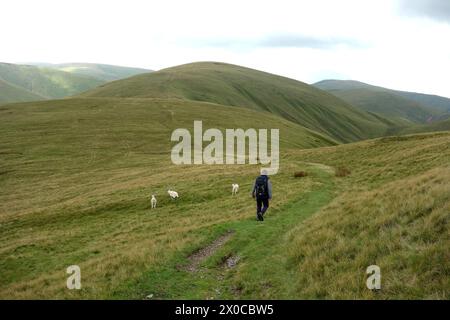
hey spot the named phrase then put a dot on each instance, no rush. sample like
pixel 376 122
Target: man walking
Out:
pixel 262 191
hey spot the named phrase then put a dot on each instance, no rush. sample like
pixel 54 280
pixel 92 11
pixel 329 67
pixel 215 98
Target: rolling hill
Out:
pixel 443 125
pixel 10 93
pixel 46 81
pixel 408 107
pixel 232 85
pixel 439 103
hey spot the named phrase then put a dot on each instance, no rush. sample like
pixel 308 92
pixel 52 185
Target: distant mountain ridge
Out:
pixel 437 102
pixel 342 110
pixel 21 83
pixel 409 106
pixel 105 72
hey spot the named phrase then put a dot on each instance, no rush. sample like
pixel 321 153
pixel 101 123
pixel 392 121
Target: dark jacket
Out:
pixel 269 187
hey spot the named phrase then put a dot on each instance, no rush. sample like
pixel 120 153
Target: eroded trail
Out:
pixel 202 254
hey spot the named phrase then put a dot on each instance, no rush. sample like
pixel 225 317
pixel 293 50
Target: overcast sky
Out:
pixel 400 44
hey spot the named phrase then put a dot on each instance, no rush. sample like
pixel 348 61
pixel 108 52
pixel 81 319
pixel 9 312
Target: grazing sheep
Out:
pixel 173 194
pixel 153 201
pixel 235 188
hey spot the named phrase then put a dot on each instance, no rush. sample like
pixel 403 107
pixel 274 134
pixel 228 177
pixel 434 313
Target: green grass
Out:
pixel 375 162
pixel 262 268
pixel 319 246
pixel 402 226
pixel 76 177
pixel 232 85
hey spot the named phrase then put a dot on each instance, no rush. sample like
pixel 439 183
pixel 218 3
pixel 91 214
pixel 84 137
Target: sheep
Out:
pixel 153 201
pixel 172 194
pixel 235 188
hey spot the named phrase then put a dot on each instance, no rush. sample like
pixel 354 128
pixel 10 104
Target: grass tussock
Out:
pixel 402 227
pixel 341 172
pixel 300 174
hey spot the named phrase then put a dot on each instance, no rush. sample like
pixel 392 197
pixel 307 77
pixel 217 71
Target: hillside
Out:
pixel 394 212
pixel 440 103
pixel 46 82
pixel 385 102
pixel 11 93
pixel 443 125
pixel 232 85
pixel 77 174
pixel 103 72
pixel 52 81
pixel 78 170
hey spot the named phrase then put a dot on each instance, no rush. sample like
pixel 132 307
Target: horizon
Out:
pixel 35 64
pixel 394 44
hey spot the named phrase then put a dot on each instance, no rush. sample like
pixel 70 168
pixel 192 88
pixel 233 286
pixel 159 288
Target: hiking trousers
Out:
pixel 262 204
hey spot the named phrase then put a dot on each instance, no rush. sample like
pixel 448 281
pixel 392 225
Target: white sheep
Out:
pixel 173 194
pixel 153 201
pixel 235 188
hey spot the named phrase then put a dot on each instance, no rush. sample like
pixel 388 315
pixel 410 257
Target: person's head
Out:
pixel 264 172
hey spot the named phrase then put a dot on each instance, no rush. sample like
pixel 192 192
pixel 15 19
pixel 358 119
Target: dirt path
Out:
pixel 201 255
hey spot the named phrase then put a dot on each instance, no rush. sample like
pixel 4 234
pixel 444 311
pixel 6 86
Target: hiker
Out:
pixel 262 191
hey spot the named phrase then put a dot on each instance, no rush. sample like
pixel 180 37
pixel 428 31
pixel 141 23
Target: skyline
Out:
pixel 396 44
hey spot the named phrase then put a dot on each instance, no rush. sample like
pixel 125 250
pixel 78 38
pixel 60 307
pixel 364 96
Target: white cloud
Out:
pixel 310 40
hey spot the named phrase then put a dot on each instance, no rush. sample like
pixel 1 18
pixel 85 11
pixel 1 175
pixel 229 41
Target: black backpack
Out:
pixel 261 188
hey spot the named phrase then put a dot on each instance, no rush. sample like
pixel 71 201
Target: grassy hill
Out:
pixel 440 103
pixel 46 82
pixel 406 239
pixel 443 125
pixel 11 93
pixel 385 102
pixel 75 183
pixel 232 85
pixel 103 72
pixel 394 212
pixel 20 83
